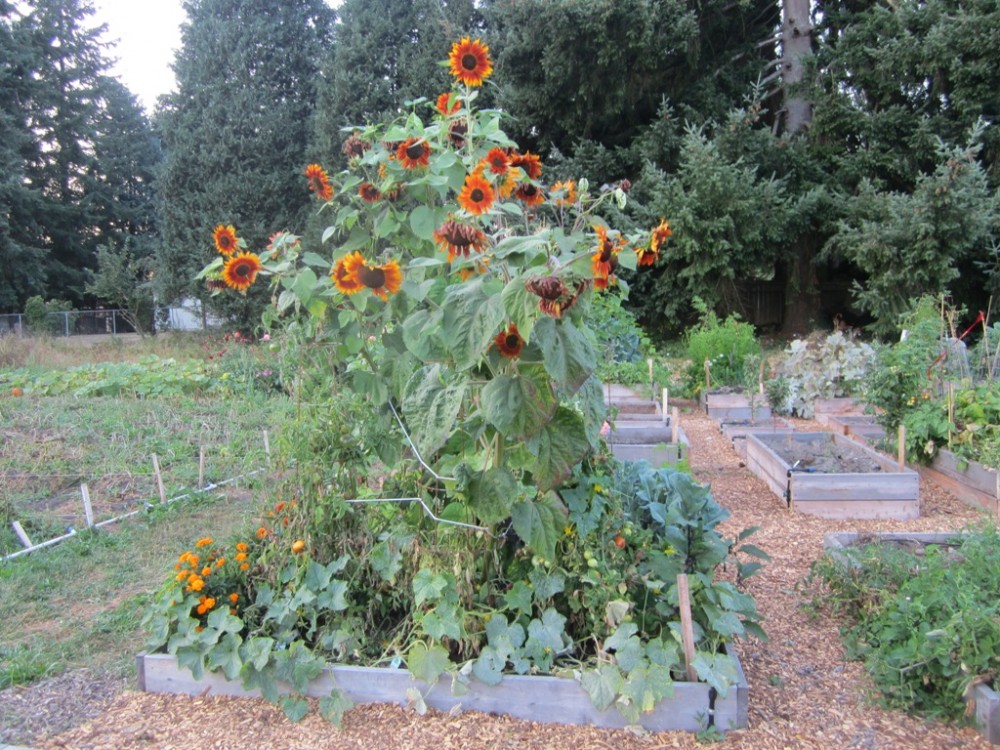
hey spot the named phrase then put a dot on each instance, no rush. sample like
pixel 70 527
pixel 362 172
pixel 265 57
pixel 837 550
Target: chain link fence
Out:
pixel 68 323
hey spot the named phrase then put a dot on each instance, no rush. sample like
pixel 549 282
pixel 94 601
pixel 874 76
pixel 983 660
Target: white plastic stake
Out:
pixel 663 405
pixel 675 425
pixel 88 509
pixel 267 447
pixel 22 534
pixel 201 465
pixel 159 479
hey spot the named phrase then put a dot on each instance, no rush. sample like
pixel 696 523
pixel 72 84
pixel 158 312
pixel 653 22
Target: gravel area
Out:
pixel 803 693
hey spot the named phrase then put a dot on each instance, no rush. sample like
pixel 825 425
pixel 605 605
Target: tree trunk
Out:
pixel 802 300
pixel 796 44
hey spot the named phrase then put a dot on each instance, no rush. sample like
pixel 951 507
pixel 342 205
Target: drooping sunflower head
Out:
pixel 383 280
pixel 457 132
pixel 563 193
pixel 319 182
pixel 509 342
pixel 225 239
pixel 646 255
pixel 477 195
pixel 469 61
pixel 344 273
pixel 529 194
pixel 529 162
pixel 447 104
pixel 554 297
pixel 354 147
pixel 413 153
pixel 240 271
pixel 369 193
pixel 459 239
pixel 658 237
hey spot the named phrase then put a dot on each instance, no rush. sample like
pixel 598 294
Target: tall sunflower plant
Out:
pixel 451 290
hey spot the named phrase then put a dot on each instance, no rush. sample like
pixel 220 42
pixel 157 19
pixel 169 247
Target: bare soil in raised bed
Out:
pixel 822 456
pixel 803 692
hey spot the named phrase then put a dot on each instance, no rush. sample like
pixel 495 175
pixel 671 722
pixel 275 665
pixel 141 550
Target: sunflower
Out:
pixel 554 296
pixel 509 184
pixel 225 239
pixel 509 343
pixel 477 195
pixel 470 61
pixel 498 161
pixel 319 182
pixel 481 266
pixel 382 280
pixel 646 255
pixel 369 193
pixel 354 147
pixel 529 194
pixel 457 132
pixel 443 104
pixel 241 270
pixel 563 193
pixel 658 237
pixel 413 153
pixel 459 239
pixel 343 273
pixel 603 261
pixel 529 162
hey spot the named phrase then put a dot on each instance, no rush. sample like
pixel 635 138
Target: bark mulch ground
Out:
pixel 803 693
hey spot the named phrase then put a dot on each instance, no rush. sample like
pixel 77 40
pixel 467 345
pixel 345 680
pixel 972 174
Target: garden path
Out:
pixel 803 693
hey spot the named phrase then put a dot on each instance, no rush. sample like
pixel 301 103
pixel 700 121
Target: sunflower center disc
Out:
pixel 469 62
pixel 415 151
pixel 476 195
pixel 372 278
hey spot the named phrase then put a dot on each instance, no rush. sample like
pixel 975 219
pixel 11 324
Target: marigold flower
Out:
pixel 195 583
pixel 240 556
pixel 241 547
pixel 414 153
pixel 261 532
pixel 240 271
pixel 319 182
pixel 234 597
pixel 183 575
pixel 225 239
pixel 206 571
pixel 279 507
pixel 459 239
pixel 344 273
pixel 298 545
pixel 442 104
pixel 563 193
pixel 220 562
pixel 509 343
pixel 245 566
pixel 469 61
pixel 477 195
pixel 204 541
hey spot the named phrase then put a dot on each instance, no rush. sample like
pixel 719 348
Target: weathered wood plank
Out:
pixel 971 473
pixel 841 510
pixel 536 698
pixel 958 488
pixel 856 487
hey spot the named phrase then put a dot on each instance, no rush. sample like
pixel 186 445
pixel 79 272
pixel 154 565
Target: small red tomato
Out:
pixel 620 542
pixel 16 392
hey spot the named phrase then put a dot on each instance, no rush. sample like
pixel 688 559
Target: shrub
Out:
pixel 724 345
pixel 813 369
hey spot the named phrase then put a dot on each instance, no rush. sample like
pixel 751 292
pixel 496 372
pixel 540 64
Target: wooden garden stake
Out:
pixel 675 425
pixel 665 397
pixel 267 447
pixel 901 446
pixel 687 628
pixel 708 377
pixel 159 479
pixel 88 509
pixel 201 466
pixel 22 534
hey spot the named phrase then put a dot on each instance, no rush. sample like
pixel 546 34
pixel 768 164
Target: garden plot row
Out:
pixel 644 429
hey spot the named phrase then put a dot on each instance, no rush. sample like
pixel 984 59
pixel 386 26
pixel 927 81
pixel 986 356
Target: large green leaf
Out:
pixel 567 353
pixel 427 663
pixel 473 315
pixel 431 403
pixel 519 404
pixel 333 706
pixel 492 494
pixel 521 305
pixel 422 335
pixel 602 685
pixel 561 444
pixel 539 523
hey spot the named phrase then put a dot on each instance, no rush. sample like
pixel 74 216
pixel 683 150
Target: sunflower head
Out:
pixel 563 193
pixel 459 239
pixel 240 271
pixel 413 153
pixel 469 62
pixel 477 194
pixel 658 237
pixel 529 162
pixel 225 239
pixel 442 104
pixel 383 280
pixel 319 182
pixel 369 193
pixel 509 343
pixel 344 273
pixel 555 297
pixel 498 161
pixel 529 194
pixel 354 147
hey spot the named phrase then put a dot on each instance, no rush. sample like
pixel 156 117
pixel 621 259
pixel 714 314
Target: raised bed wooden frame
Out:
pixel 893 492
pixel 971 482
pixel 735 407
pixel 693 707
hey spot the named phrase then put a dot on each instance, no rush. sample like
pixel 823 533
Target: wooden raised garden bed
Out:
pixel 830 476
pixel 735 407
pixel 971 482
pixel 825 408
pixel 861 427
pixel 738 431
pixel 984 697
pixel 657 443
pixel 555 700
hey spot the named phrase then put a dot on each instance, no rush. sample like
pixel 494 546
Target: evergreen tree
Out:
pixel 385 53
pixel 235 133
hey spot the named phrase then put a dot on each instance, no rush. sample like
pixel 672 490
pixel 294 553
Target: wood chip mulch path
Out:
pixel 803 693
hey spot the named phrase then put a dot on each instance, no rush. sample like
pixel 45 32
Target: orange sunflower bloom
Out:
pixel 658 237
pixel 529 194
pixel 603 262
pixel 319 182
pixel 563 193
pixel 469 61
pixel 382 280
pixel 413 153
pixel 443 107
pixel 459 239
pixel 344 273
pixel 477 195
pixel 240 271
pixel 498 161
pixel 369 193
pixel 529 162
pixel 509 343
pixel 225 239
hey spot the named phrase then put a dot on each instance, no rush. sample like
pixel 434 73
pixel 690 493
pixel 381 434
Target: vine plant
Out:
pixel 451 297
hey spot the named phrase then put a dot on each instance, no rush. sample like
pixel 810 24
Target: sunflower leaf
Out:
pixel 521 404
pixel 539 522
pixel 567 353
pixel 557 448
pixel 472 317
pixel 431 402
pixel 423 222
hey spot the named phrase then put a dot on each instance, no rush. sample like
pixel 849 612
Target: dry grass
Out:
pixel 59 353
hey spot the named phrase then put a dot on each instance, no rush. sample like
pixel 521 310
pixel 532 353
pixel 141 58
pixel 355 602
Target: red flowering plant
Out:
pixel 451 293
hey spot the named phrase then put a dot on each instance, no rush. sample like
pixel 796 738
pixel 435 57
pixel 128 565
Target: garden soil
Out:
pixel 803 692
